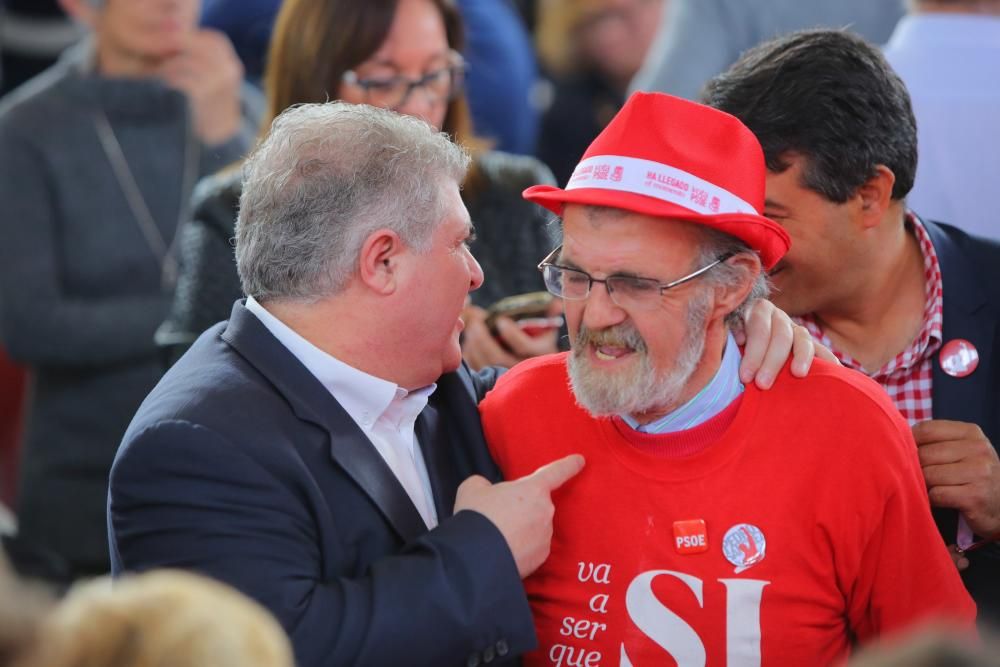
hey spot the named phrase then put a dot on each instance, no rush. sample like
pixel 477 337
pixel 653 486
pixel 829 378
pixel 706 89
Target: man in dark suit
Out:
pixel 912 303
pixel 312 450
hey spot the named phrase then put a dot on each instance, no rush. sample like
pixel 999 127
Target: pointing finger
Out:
pixel 557 473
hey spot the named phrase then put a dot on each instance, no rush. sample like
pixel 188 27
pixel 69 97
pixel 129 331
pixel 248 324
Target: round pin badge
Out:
pixel 744 545
pixel 959 358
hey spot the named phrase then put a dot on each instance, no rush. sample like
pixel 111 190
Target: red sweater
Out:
pixel 817 526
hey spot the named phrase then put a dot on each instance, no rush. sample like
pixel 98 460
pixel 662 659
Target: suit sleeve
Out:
pixel 483 380
pixel 183 496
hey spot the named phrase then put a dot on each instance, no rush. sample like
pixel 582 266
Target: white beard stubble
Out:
pixel 640 388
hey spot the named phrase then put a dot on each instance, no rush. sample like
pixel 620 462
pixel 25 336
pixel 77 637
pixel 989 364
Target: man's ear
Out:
pixel 874 197
pixel 729 297
pixel 84 11
pixel 380 261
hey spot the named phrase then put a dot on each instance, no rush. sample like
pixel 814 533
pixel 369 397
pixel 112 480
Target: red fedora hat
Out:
pixel 671 158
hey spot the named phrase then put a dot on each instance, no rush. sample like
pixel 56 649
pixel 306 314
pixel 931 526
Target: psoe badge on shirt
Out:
pixel 690 536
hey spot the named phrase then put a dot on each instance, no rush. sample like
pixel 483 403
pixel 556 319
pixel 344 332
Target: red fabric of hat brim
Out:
pixel 762 234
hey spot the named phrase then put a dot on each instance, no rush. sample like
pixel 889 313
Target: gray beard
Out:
pixel 640 388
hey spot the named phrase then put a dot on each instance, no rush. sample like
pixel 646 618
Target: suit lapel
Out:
pixel 433 439
pixel 311 402
pixel 961 399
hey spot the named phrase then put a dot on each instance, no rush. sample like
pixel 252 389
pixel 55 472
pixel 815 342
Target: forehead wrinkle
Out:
pixel 620 271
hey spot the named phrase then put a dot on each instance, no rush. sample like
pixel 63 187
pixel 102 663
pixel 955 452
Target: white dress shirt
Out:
pixel 951 65
pixel 384 411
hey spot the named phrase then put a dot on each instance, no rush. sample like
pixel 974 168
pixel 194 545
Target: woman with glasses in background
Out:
pixel 396 54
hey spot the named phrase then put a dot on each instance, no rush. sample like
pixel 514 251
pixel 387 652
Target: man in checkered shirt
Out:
pixel 913 304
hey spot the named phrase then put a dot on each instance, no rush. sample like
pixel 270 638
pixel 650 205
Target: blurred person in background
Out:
pixel 397 54
pixel 947 52
pixel 98 158
pixel 590 49
pixel 32 35
pixel 23 606
pixel 697 39
pixel 158 618
pixel 502 76
pixel 500 79
pixel 248 25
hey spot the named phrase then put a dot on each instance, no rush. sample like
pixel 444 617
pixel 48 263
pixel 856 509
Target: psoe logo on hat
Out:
pixel 674 159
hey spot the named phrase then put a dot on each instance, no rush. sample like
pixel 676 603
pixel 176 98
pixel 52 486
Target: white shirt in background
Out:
pixel 951 66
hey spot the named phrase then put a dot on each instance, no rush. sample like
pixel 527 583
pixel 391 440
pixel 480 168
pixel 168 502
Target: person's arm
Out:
pixel 184 496
pixel 697 39
pixel 40 322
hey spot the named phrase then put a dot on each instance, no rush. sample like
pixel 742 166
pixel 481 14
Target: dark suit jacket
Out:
pixel 241 465
pixel 970 271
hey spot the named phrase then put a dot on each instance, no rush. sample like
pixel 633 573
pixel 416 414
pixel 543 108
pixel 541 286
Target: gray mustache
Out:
pixel 620 335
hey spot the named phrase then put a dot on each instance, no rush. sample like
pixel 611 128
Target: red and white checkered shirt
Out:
pixel 907 378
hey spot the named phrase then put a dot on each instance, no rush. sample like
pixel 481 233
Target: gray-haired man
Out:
pixel 310 451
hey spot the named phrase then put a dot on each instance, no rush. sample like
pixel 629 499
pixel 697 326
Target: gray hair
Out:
pixel 715 244
pixel 326 177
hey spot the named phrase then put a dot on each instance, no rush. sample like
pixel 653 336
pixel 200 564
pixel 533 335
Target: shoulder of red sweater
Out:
pixel 535 368
pixel 829 384
pixel 528 377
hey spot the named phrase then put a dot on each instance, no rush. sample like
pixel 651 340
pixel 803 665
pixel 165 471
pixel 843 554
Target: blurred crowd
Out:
pixel 124 130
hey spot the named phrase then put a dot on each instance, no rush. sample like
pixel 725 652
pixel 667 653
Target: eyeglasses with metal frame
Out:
pixel 625 291
pixel 438 85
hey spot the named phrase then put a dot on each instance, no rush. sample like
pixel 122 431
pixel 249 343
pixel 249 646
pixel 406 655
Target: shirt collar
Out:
pixel 364 397
pixel 714 397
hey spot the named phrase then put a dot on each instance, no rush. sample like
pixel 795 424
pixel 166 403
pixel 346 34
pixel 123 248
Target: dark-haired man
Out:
pixel 914 304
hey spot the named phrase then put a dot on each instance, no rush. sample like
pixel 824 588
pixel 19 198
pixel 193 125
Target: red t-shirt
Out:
pixel 816 526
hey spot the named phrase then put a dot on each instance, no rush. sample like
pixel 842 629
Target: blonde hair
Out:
pixel 556 32
pixel 23 606
pixel 159 619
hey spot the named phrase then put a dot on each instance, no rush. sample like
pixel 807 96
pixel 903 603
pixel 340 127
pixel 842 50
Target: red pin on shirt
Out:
pixel 959 358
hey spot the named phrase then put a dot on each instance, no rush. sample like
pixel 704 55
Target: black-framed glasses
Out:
pixel 625 291
pixel 438 85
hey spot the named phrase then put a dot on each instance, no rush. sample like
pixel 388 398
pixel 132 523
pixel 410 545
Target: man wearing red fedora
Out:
pixel 912 303
pixel 714 522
